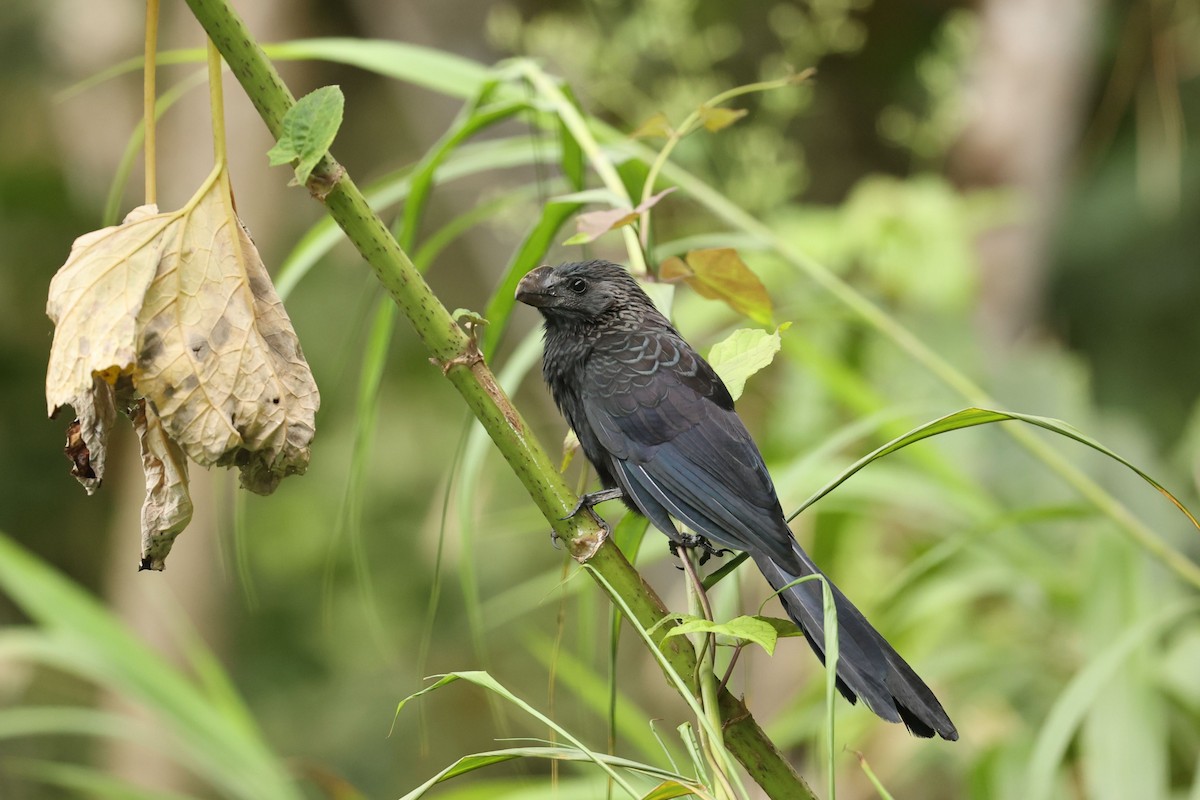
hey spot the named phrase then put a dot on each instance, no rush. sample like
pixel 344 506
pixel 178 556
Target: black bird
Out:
pixel 659 428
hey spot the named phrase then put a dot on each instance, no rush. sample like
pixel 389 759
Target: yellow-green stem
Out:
pixel 706 645
pixel 216 100
pixel 149 96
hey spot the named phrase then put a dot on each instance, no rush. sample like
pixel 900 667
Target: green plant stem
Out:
pixel 449 347
pixel 149 99
pixel 216 102
pixel 698 605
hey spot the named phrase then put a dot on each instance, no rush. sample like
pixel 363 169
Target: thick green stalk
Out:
pixel 451 348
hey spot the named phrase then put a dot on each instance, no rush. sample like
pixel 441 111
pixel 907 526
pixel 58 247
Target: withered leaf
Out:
pixel 178 309
pixel 167 508
pixel 674 269
pixel 593 224
pixel 720 274
pixel 87 435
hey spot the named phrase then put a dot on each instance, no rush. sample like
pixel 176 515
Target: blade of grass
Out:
pixel 83 638
pixel 592 691
pixel 486 681
pixel 970 417
pixel 530 252
pixel 472 118
pixel 350 515
pixel 681 685
pixel 870 773
pixel 1082 692
pixel 85 781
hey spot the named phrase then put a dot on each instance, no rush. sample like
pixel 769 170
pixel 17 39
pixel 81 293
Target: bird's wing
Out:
pixel 668 425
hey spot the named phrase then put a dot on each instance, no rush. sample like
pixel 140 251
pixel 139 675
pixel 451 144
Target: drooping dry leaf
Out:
pixel 87 435
pixel 720 274
pixel 593 224
pixel 167 508
pixel 179 309
pixel 217 354
pixel 674 269
pixel 94 302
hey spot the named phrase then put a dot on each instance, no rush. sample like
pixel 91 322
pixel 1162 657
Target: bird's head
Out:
pixel 583 292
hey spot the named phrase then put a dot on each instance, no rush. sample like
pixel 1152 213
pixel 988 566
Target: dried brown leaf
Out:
pixel 720 274
pixel 167 508
pixel 217 354
pixel 179 309
pixel 593 224
pixel 87 435
pixel 674 269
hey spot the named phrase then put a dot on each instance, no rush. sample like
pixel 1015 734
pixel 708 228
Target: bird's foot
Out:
pixel 587 503
pixel 690 540
pixel 595 498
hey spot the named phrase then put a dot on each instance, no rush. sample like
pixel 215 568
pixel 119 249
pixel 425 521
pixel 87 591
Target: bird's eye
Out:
pixel 577 285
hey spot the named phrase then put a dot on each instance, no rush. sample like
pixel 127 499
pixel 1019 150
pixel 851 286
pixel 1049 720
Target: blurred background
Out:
pixel 1015 181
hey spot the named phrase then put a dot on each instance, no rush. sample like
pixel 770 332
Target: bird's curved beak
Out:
pixel 533 290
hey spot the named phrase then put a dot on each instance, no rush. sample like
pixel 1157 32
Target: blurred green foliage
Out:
pixel 1065 655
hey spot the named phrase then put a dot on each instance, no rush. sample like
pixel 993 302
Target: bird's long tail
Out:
pixel 867 667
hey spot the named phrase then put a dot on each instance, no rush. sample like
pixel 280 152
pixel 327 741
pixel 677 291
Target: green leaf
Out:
pixel 486 681
pixel 309 128
pixel 213 736
pixel 743 353
pixel 784 628
pixel 743 628
pixel 715 119
pixel 669 790
pixel 657 126
pixel 720 274
pixel 477 761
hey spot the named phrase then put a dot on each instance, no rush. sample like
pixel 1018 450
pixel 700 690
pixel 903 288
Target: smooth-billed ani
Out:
pixel 659 427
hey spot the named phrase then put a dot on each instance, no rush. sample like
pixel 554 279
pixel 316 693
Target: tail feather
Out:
pixel 868 667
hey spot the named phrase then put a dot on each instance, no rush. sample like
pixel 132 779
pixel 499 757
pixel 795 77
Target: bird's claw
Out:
pixel 587 503
pixel 690 540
